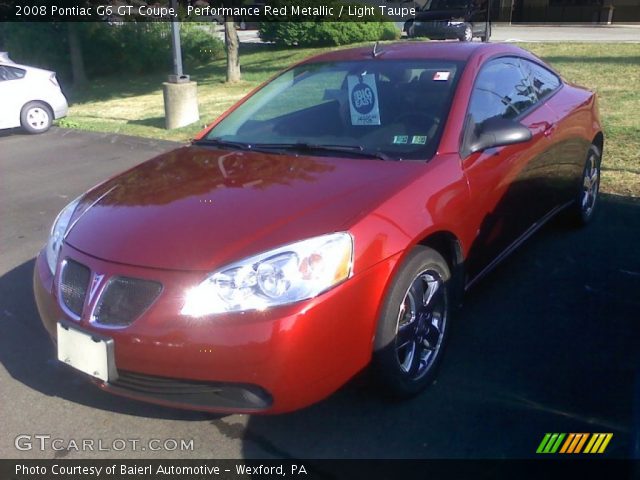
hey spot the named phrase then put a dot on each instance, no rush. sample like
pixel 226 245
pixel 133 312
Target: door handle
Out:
pixel 542 127
pixel 548 131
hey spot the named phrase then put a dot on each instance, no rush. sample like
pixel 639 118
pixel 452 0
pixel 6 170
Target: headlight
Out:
pixel 58 231
pixel 287 274
pixel 455 23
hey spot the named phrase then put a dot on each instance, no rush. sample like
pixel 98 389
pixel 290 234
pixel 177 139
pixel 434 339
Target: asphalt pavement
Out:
pixel 504 32
pixel 547 343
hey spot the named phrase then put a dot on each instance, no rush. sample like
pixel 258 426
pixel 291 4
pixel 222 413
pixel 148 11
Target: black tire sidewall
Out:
pixel 580 216
pixel 23 116
pixel 385 367
pixel 463 36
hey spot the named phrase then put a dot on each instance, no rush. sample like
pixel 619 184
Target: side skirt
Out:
pixel 517 242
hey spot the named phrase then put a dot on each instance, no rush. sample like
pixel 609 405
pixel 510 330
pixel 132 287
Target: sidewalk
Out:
pixel 502 32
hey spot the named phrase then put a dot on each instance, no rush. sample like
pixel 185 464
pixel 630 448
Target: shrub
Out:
pixel 199 46
pixel 110 49
pixel 311 34
pixel 323 32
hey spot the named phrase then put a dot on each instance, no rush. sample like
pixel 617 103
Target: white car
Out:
pixel 30 97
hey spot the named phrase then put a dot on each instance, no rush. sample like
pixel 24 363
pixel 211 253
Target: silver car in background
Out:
pixel 29 97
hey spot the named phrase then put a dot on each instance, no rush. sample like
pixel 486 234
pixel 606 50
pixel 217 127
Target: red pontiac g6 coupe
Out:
pixel 328 222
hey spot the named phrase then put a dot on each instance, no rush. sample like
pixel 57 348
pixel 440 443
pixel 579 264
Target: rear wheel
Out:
pixel 589 188
pixel 467 35
pixel 409 28
pixel 414 325
pixel 36 117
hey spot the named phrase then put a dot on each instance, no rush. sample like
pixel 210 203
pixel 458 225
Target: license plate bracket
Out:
pixel 90 353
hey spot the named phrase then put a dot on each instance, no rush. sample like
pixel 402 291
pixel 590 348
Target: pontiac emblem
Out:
pixel 95 283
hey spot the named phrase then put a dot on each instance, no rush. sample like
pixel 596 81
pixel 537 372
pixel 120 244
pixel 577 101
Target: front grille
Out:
pixel 193 392
pixel 74 281
pixel 124 299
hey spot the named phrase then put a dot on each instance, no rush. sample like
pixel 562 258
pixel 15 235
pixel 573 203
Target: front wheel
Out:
pixel 589 188
pixel 414 325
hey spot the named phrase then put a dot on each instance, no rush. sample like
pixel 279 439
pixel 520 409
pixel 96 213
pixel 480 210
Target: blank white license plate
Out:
pixel 86 352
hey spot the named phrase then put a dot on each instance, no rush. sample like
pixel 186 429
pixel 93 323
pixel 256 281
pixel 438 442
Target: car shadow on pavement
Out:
pixel 8 132
pixel 29 356
pixel 548 342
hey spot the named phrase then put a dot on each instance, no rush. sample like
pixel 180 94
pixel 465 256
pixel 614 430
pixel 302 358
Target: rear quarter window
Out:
pixel 544 81
pixel 11 73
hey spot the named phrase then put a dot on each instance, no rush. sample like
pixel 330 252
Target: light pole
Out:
pixel 179 92
pixel 176 49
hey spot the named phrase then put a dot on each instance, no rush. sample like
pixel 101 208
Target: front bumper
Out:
pixel 436 30
pixel 274 361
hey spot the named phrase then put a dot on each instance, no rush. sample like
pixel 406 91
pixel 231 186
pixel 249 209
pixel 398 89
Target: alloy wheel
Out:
pixel 590 185
pixel 422 320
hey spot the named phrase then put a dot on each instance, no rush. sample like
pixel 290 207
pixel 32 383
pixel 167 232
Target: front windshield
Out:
pixel 394 107
pixel 447 5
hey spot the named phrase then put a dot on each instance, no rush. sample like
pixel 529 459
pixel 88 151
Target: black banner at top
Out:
pixel 204 11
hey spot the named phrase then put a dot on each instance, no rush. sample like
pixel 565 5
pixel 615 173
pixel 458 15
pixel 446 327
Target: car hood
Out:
pixel 197 208
pixel 434 15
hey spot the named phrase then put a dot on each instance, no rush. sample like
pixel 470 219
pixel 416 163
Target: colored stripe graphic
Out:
pixel 574 443
pixel 550 443
pixel 566 444
pixel 598 443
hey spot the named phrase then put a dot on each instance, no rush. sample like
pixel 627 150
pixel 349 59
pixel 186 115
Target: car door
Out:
pixel 565 159
pixel 507 187
pixel 11 94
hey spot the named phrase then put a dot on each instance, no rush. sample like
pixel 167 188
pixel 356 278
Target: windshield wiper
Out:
pixel 218 142
pixel 312 147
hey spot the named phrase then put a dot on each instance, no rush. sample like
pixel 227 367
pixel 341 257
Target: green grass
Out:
pixel 134 106
pixel 613 72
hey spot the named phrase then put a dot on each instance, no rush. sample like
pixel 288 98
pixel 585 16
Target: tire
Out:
pixel 36 117
pixel 585 206
pixel 467 35
pixel 487 34
pixel 409 29
pixel 413 326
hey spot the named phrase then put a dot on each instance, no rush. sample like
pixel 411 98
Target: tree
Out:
pixel 232 44
pixel 75 54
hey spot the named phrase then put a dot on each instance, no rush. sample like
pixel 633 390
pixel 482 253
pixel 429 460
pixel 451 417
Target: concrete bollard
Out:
pixel 180 104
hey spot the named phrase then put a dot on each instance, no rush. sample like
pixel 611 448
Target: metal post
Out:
pixel 488 22
pixel 176 50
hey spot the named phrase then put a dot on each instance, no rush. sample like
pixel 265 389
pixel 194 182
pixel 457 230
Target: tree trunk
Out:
pixel 75 53
pixel 233 44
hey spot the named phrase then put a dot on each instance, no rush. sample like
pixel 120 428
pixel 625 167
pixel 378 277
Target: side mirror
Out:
pixel 497 132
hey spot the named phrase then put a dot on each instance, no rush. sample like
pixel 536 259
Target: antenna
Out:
pixel 375 51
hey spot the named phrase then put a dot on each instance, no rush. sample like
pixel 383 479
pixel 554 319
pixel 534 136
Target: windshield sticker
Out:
pixel 441 76
pixel 400 139
pixel 419 139
pixel 363 100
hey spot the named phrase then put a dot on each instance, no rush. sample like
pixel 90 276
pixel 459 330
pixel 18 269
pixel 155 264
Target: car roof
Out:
pixel 438 50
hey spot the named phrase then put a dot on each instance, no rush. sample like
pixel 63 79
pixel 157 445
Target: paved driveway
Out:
pixel 502 32
pixel 547 343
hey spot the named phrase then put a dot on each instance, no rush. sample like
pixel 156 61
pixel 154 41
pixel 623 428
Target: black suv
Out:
pixel 444 19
